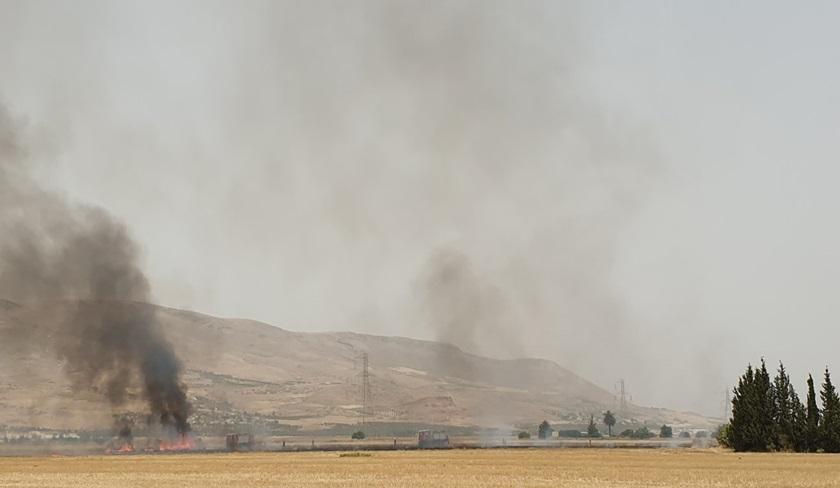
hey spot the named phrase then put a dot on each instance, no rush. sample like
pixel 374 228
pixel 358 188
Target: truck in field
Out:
pixel 427 439
pixel 239 442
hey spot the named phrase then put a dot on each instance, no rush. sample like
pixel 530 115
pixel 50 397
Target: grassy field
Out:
pixel 469 468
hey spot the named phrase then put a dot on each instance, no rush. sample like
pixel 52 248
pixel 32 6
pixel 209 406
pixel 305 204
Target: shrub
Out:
pixel 640 433
pixel 524 435
pixel 666 432
pixel 592 429
pixel 358 435
pixel 722 435
pixel 569 433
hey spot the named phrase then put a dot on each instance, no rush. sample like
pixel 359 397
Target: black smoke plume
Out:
pixel 52 250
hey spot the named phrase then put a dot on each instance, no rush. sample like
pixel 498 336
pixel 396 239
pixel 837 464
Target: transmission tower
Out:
pixel 365 388
pixel 623 393
pixel 727 406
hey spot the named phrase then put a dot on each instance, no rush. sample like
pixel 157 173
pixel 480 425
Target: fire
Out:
pixel 179 442
pixel 183 442
pixel 125 447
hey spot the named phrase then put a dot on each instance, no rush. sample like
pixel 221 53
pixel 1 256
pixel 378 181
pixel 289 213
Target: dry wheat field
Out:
pixel 469 468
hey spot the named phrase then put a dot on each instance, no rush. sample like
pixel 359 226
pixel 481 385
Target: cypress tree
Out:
pixel 738 431
pixel 783 411
pixel 789 416
pixel 752 427
pixel 812 419
pixel 830 427
pixel 765 411
pixel 768 415
pixel 800 424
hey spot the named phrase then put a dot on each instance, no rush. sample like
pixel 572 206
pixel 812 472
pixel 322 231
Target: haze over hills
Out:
pixel 240 371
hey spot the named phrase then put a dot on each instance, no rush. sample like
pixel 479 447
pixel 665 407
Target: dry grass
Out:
pixel 545 467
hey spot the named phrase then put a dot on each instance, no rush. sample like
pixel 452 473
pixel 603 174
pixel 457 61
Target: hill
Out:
pixel 247 372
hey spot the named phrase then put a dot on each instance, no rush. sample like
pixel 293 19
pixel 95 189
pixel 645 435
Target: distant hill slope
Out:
pixel 245 371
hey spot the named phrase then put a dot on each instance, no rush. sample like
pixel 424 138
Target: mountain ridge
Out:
pixel 242 370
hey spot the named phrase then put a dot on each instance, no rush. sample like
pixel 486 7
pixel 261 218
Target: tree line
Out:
pixel 767 414
pixel 545 431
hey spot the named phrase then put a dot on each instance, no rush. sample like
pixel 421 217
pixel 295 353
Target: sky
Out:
pixel 637 190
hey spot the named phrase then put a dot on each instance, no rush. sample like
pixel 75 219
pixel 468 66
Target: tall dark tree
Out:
pixel 788 414
pixel 800 423
pixel 765 409
pixel 751 427
pixel 812 419
pixel 782 410
pixel 609 421
pixel 739 434
pixel 830 426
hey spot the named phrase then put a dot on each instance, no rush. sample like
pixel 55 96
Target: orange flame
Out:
pixel 184 442
pixel 125 448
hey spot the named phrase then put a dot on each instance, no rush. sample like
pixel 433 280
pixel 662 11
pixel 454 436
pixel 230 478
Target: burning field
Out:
pixel 167 440
pixel 108 342
pixel 467 468
pixel 176 443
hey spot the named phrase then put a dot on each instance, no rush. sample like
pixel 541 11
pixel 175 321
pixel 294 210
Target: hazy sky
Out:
pixel 633 189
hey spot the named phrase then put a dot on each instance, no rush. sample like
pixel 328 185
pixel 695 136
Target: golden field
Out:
pixel 469 468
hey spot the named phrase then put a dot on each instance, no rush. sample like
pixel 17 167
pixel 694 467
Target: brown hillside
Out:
pixel 242 370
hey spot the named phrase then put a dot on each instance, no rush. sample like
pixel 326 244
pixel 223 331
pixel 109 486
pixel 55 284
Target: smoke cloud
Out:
pixel 645 186
pixel 432 169
pixel 463 308
pixel 52 250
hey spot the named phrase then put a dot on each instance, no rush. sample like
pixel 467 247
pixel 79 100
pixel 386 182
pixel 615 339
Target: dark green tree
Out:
pixel 751 427
pixel 800 424
pixel 592 429
pixel 738 435
pixel 830 426
pixel 812 419
pixel 609 421
pixel 766 408
pixel 544 430
pixel 666 432
pixel 788 414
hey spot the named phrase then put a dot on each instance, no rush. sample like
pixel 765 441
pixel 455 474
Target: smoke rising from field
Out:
pixel 463 308
pixel 54 250
pixel 440 170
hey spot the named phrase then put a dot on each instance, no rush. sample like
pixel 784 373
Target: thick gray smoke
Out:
pixel 440 170
pixel 52 250
pixel 463 308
